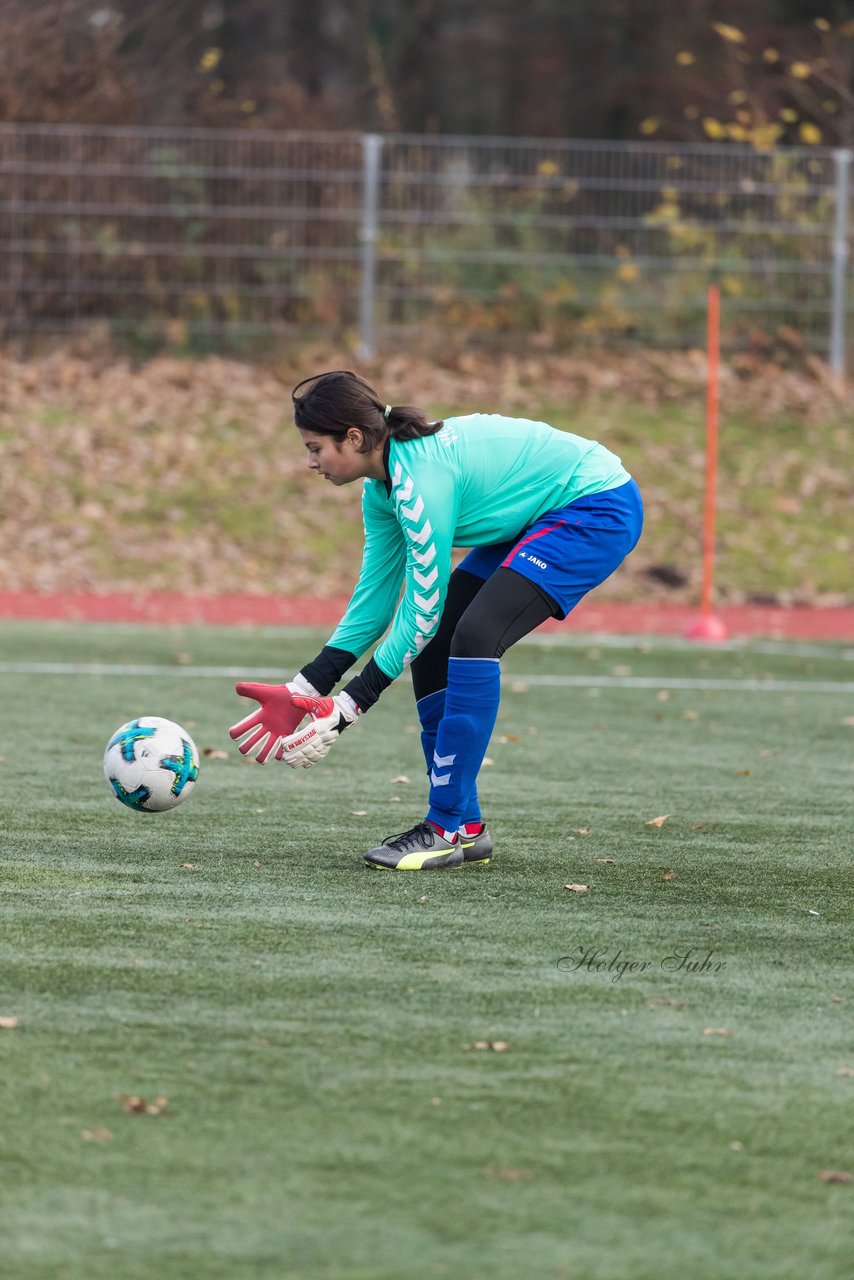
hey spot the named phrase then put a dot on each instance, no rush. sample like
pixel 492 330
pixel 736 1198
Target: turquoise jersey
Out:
pixel 480 480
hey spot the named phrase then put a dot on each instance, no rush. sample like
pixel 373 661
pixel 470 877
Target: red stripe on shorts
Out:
pixel 530 538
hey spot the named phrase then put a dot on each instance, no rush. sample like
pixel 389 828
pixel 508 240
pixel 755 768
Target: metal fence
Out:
pixel 214 236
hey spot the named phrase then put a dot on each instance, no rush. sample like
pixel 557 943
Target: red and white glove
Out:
pixel 278 716
pixel 329 718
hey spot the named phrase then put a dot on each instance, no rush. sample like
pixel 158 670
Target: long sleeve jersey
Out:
pixel 478 481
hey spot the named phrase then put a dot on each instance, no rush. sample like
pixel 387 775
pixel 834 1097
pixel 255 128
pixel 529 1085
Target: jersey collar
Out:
pixel 386 451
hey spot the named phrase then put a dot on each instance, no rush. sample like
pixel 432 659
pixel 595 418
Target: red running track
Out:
pixel 623 618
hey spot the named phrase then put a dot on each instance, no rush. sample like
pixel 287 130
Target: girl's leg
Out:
pixel 507 607
pixel 557 561
pixel 430 675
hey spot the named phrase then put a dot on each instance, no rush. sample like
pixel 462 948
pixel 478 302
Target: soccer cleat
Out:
pixel 421 848
pixel 477 848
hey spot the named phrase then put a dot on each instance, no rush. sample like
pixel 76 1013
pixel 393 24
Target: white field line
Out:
pixel 673 644
pixel 549 681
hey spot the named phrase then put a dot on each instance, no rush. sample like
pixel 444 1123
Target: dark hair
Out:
pixel 339 400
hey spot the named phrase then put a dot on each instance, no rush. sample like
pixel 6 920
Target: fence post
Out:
pixel 842 163
pixel 371 157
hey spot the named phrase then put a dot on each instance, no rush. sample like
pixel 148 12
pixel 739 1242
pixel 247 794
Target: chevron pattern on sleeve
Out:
pixel 418 532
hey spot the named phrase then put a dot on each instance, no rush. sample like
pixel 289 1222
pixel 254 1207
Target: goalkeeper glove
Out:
pixel 329 718
pixel 278 716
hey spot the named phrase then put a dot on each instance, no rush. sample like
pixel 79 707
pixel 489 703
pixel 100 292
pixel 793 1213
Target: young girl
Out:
pixel 550 515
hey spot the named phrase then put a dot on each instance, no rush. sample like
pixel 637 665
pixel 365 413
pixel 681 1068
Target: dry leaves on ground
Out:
pixel 98 1134
pixel 134 1105
pixel 104 460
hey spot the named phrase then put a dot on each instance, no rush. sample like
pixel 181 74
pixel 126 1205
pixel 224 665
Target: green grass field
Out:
pixel 312 1025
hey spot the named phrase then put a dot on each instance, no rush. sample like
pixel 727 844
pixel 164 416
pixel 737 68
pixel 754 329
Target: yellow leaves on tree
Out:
pixel 809 133
pixel 210 59
pixel 728 33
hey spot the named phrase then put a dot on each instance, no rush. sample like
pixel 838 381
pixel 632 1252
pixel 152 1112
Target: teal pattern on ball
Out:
pixel 185 769
pixel 128 736
pixel 135 799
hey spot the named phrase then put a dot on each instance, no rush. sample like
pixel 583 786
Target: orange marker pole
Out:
pixel 709 627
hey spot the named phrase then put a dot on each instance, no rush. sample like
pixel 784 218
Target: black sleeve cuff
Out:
pixel 367 686
pixel 327 668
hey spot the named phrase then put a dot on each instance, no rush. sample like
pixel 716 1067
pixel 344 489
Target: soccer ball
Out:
pixel 151 764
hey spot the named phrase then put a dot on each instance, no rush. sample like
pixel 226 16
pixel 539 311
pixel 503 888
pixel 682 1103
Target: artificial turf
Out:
pixel 313 1027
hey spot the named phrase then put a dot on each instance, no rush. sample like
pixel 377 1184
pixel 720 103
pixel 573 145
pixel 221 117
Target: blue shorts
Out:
pixel 569 551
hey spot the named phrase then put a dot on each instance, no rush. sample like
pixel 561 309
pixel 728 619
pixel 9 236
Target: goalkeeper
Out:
pixel 549 516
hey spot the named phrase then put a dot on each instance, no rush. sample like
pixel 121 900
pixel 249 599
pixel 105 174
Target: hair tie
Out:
pixel 387 412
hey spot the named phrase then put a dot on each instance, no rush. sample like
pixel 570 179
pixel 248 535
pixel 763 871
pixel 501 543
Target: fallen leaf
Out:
pixel 717 1031
pixel 402 778
pixel 256 863
pixel 8 1024
pixel 743 773
pixel 507 1175
pixel 498 1046
pixel 736 1146
pixel 581 831
pixel 658 822
pixel 769 751
pixel 214 753
pixel 845 1071
pixel 487 761
pixel 603 859
pixel 96 1135
pixel 668 875
pixel 359 813
pixel 698 826
pixel 134 1105
pixel 519 687
pixel 577 888
pixel 663 695
pixel 677 1004
pixel 690 714
pixel 849 720
pixel 835 1175
pixel 190 866
pixel 509 737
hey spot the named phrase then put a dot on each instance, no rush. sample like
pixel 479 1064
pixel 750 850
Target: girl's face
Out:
pixel 338 461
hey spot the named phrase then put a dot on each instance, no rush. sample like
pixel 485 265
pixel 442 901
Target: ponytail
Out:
pixel 405 422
